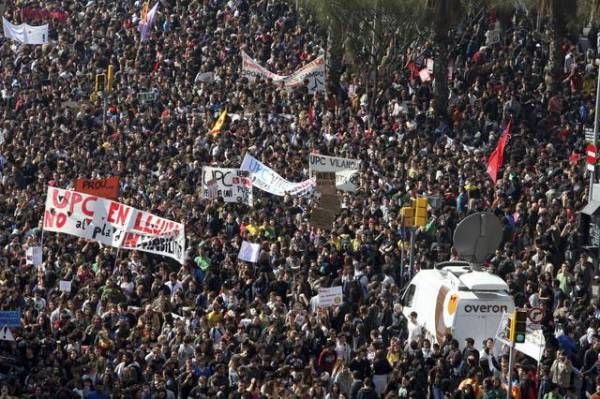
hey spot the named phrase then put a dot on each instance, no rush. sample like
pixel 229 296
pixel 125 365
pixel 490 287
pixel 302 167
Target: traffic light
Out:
pixel 518 327
pixel 100 82
pixel 110 74
pixel 407 215
pixel 421 212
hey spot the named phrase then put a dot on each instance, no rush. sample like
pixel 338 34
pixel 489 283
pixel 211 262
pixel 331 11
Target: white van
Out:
pixel 454 298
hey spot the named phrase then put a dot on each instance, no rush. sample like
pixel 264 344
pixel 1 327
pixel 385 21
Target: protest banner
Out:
pixel 42 13
pixel 331 296
pixel 249 252
pixel 346 170
pixel 105 188
pixel 268 180
pixel 112 223
pixel 25 33
pixel 313 73
pixel 233 185
pixel 33 256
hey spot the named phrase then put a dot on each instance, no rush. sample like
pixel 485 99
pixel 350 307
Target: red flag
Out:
pixel 496 158
pixel 574 158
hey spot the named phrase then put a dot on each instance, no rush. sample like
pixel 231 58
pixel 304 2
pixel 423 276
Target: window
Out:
pixel 409 296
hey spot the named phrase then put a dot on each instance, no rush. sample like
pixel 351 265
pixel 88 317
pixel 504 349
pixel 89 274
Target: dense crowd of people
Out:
pixel 136 325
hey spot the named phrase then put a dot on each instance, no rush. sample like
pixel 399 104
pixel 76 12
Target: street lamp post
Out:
pixel 596 112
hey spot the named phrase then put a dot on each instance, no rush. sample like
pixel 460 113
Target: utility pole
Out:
pixel 593 171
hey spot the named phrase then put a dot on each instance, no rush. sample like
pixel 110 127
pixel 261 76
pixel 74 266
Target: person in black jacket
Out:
pixel 367 391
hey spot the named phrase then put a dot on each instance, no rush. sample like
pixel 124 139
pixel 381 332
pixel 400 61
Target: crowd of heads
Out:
pixel 136 325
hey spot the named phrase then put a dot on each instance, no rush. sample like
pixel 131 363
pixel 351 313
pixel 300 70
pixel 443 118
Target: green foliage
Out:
pixel 365 28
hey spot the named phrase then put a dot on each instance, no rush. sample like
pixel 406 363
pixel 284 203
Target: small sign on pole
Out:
pixel 590 156
pixel 589 135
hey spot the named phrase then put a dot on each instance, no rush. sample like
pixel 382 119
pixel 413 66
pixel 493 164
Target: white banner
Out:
pixel 112 223
pixel 25 33
pixel 331 296
pixel 346 170
pixel 313 72
pixel 268 180
pixel 234 185
pixel 249 252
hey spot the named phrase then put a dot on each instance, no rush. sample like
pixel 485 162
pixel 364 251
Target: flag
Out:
pixel 496 158
pixel 146 21
pixel 219 123
pixel 574 158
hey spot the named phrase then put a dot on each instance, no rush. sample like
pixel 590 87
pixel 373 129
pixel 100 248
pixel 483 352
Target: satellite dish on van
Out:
pixel 478 236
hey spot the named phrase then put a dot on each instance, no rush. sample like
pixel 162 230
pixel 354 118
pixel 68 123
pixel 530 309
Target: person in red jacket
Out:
pixel 327 357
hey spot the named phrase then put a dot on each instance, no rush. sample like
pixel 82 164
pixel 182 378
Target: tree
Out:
pixel 444 15
pixel 368 32
pixel 560 14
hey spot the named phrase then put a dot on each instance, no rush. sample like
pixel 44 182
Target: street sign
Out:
pixel 589 135
pixel 10 318
pixel 590 156
pixel 535 315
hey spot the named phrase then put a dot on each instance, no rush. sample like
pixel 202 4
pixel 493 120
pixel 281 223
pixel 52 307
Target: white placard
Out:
pixel 34 256
pixel 346 170
pixel 331 296
pixel 534 339
pixel 64 286
pixel 266 179
pixel 249 252
pixel 233 185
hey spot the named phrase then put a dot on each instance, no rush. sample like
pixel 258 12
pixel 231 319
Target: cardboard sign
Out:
pixel 249 252
pixel 346 170
pixel 322 218
pixel 64 286
pixel 33 256
pixel 112 223
pixel 233 185
pixel 332 296
pixel 105 188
